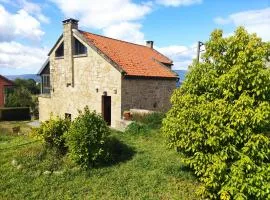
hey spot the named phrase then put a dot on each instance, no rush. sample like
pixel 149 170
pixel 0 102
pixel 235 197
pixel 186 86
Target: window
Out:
pixel 68 116
pixel 45 78
pixel 79 48
pixel 60 51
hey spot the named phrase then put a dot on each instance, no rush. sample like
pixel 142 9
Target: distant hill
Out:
pixel 24 76
pixel 181 74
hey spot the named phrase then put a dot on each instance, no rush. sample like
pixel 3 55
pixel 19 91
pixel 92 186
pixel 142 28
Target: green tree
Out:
pixel 19 97
pixel 220 117
pixel 29 84
pixel 24 94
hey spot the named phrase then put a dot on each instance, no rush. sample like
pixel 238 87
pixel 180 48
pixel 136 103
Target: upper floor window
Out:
pixel 45 84
pixel 79 48
pixel 60 50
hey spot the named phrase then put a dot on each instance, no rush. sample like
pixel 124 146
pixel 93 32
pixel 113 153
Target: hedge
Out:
pixel 15 113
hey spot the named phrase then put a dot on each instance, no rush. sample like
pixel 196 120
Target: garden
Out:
pixel 139 167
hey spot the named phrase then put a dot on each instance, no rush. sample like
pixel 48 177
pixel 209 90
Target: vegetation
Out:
pixel 151 120
pixel 86 139
pixel 52 133
pixel 24 95
pixel 30 84
pixel 136 128
pixel 19 97
pixel 145 169
pixel 221 115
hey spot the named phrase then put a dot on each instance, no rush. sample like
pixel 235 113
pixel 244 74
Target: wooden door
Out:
pixel 106 109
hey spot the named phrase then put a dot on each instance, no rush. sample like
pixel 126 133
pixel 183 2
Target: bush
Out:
pixel 136 128
pixel 152 120
pixel 220 118
pixel 86 139
pixel 52 133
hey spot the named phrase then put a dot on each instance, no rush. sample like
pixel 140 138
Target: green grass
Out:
pixel 149 172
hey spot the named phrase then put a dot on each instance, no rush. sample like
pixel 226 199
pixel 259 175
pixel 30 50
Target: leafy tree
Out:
pixel 220 117
pixel 20 97
pixel 24 95
pixel 29 84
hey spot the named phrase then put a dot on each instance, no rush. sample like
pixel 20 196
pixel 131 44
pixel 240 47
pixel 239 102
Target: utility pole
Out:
pixel 199 50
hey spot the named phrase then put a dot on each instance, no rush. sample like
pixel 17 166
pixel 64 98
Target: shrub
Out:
pixel 52 132
pixel 86 139
pixel 136 128
pixel 220 118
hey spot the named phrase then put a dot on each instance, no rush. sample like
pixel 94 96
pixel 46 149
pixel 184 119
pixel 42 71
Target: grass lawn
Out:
pixel 147 171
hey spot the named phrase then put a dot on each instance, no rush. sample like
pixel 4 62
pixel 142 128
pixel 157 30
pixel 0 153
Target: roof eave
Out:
pixel 151 77
pixel 60 38
pixel 43 66
pixel 7 80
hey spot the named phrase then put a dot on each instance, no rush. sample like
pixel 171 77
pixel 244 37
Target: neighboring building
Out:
pixel 4 85
pixel 109 75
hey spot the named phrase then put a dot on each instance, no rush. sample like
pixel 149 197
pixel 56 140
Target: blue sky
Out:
pixel 28 28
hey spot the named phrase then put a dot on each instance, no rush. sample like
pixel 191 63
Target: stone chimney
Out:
pixel 68 25
pixel 150 44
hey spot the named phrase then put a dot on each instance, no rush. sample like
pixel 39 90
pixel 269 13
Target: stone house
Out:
pixel 4 85
pixel 109 75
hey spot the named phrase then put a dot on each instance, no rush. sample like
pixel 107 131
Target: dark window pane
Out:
pixel 60 51
pixel 79 48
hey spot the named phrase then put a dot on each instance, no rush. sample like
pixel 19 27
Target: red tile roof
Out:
pixel 134 59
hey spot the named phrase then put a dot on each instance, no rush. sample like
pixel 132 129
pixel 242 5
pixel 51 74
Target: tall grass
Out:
pixel 151 120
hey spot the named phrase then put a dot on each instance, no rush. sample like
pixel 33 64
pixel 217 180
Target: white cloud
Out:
pixel 255 21
pixel 176 3
pixel 18 25
pixel 125 31
pixel 102 13
pixel 34 9
pixel 182 56
pixel 116 18
pixel 16 55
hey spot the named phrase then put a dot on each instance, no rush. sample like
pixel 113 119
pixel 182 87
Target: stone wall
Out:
pixel 44 107
pixel 149 94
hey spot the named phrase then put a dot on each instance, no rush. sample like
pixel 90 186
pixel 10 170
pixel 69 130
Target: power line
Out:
pixel 180 52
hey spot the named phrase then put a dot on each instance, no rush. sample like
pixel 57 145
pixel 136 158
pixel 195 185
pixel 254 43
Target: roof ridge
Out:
pixel 114 39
